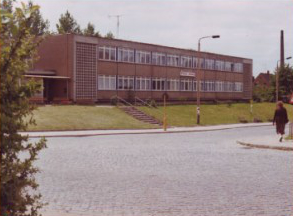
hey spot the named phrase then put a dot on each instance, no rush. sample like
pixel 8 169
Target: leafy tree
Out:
pixel 262 93
pixel 109 35
pixel 67 24
pixel 90 31
pixel 18 51
pixel 39 26
pixel 285 82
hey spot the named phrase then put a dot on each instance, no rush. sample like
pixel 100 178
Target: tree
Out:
pixel 90 31
pixel 39 26
pixel 67 24
pixel 285 82
pixel 18 52
pixel 109 35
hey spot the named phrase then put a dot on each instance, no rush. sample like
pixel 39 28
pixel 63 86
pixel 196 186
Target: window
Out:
pixel 238 87
pixel 173 60
pixel 196 63
pixel 186 85
pixel 238 67
pixel 172 84
pixel 106 82
pixel 142 57
pixel 186 61
pixel 209 86
pixel 209 64
pixel 125 82
pixel 219 86
pixel 194 85
pixel 228 66
pixel 158 58
pixel 143 84
pixel 158 84
pixel 125 55
pixel 107 53
pixel 219 65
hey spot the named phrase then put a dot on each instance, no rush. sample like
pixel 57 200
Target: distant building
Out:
pixel 263 79
pixel 89 69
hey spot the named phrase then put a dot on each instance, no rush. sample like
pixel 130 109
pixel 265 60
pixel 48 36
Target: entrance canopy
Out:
pixel 46 77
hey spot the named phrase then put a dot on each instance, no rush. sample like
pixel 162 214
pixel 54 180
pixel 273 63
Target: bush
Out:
pixel 114 100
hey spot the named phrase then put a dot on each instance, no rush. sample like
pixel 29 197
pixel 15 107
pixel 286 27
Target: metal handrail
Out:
pixel 119 98
pixel 148 104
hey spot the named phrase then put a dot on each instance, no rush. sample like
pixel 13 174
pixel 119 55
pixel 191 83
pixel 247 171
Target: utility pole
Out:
pixel 118 23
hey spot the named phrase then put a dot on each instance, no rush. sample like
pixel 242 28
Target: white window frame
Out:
pixel 141 57
pixel 106 82
pixel 103 49
pixel 125 55
pixel 173 60
pixel 186 61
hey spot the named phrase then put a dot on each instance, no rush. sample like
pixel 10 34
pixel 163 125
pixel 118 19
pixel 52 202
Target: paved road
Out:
pixel 201 173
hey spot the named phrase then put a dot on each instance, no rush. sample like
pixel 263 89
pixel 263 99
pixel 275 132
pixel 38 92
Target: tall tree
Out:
pixel 18 51
pixel 109 35
pixel 285 82
pixel 39 26
pixel 67 24
pixel 90 31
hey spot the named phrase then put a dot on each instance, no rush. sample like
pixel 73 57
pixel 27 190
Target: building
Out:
pixel 263 79
pixel 88 69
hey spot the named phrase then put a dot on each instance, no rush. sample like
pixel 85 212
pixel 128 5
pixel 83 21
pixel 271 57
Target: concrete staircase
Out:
pixel 139 115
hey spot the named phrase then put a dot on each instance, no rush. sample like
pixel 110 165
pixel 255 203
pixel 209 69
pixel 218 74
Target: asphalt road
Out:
pixel 198 174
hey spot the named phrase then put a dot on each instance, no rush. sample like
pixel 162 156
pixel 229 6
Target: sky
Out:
pixel 247 28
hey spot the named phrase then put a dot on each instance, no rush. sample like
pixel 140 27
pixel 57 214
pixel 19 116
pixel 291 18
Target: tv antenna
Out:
pixel 118 22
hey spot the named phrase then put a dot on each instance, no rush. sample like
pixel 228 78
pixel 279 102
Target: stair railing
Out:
pixel 145 103
pixel 124 101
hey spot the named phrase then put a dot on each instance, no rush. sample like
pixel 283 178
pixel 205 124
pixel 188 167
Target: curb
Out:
pixel 282 148
pixel 141 132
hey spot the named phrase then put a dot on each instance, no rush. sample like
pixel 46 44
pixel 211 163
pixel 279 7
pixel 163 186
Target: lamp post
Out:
pixel 198 77
pixel 277 79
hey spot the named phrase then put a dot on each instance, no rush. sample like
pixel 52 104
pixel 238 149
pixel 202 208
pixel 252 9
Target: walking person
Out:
pixel 281 119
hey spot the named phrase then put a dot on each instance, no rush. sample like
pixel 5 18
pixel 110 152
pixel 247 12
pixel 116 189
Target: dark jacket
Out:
pixel 281 116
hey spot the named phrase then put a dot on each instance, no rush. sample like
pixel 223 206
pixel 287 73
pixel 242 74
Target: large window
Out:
pixel 209 64
pixel 158 84
pixel 107 53
pixel 219 86
pixel 238 67
pixel 173 60
pixel 142 57
pixel 143 84
pixel 186 85
pixel 125 55
pixel 238 86
pixel 106 82
pixel 125 82
pixel 209 86
pixel 186 61
pixel 158 58
pixel 196 62
pixel 173 85
pixel 228 66
pixel 219 65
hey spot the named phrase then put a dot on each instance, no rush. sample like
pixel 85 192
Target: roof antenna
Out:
pixel 118 22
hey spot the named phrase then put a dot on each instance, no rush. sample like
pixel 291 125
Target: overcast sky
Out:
pixel 248 28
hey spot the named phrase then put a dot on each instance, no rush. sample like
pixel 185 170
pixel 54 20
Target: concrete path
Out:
pixel 81 133
pixel 269 142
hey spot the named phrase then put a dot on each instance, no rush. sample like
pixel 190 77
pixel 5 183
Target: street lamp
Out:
pixel 198 77
pixel 277 79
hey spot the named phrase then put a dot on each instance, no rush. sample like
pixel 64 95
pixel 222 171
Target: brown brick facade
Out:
pixel 94 79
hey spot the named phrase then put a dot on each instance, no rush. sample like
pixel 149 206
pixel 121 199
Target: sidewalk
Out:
pixel 81 133
pixel 268 142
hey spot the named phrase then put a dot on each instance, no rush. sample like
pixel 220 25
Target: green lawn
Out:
pixel 185 115
pixel 74 117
